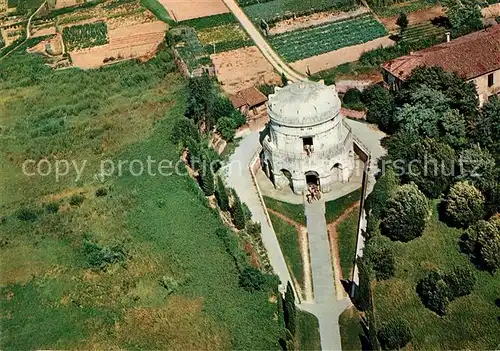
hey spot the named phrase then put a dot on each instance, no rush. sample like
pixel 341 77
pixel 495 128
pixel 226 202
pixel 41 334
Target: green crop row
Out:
pixel 209 21
pixel 251 2
pixel 85 35
pixel 304 43
pixel 420 32
pixel 277 10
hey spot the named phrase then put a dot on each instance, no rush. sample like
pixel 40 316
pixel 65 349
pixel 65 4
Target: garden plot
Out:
pixel 301 44
pixel 181 10
pixel 85 35
pixel 223 38
pixel 139 40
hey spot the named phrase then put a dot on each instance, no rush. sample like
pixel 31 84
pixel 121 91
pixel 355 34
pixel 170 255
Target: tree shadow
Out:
pixel 441 21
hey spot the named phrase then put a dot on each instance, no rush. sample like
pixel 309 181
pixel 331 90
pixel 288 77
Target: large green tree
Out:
pixel 486 129
pixel 221 195
pixel 379 253
pixel 482 242
pixel 405 214
pixel 464 15
pixel 237 212
pixel 380 106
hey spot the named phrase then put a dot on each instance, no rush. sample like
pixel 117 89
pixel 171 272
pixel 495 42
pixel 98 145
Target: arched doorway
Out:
pixel 286 173
pixel 336 172
pixel 312 178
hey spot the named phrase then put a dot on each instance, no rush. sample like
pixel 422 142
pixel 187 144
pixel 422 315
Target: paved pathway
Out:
pixel 261 42
pixel 240 179
pixel 326 307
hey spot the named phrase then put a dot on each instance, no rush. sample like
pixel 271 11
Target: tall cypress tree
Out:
pixel 290 310
pixel 237 212
pixel 207 180
pixel 221 195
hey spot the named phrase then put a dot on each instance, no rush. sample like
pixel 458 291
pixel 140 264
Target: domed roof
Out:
pixel 304 103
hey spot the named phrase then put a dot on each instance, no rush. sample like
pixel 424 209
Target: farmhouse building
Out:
pixel 475 57
pixel 251 102
pixel 306 141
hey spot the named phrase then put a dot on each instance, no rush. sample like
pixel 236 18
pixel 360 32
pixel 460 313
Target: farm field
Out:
pixel 471 322
pixel 243 68
pixel 277 10
pixel 308 42
pixel 419 32
pixel 416 17
pixel 67 3
pixel 85 35
pixel 128 42
pixel 181 10
pixel 177 287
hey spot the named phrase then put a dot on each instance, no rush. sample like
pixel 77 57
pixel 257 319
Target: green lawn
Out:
pixel 336 207
pixel 351 332
pixel 49 299
pixel 293 211
pixel 471 321
pixel 288 238
pixel 308 331
pixel 347 234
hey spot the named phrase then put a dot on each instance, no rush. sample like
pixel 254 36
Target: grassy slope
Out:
pixel 293 211
pixel 347 234
pixel 308 331
pixel 289 242
pixel 48 298
pixel 471 321
pixel 336 207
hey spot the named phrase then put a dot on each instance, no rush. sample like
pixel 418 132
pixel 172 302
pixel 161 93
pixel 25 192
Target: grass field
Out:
pixel 272 11
pixel 334 208
pixel 347 234
pixel 312 41
pixel 49 298
pixel 471 321
pixel 406 7
pixel 308 331
pixel 293 211
pixel 288 238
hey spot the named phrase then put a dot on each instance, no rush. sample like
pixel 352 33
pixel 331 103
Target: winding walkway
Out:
pixel 261 42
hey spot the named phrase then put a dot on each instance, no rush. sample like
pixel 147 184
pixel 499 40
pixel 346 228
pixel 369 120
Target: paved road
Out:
pixel 261 43
pixel 326 307
pixel 240 179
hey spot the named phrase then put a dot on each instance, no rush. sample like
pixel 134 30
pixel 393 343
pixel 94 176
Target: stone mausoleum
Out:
pixel 306 140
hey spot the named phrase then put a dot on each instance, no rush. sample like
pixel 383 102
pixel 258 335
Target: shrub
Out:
pixel 434 293
pixel 380 105
pixel 464 204
pixel 231 243
pixel 394 334
pixel 460 280
pixel 184 129
pixel 482 242
pixel 378 251
pixel 405 214
pixel 52 207
pixel 76 199
pixel 100 256
pixel 251 279
pixel 254 228
pixel 352 96
pixel 207 180
pixel 101 192
pixel 26 214
pixel 382 191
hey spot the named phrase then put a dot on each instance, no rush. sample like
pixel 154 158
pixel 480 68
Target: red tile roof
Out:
pixel 250 96
pixel 469 56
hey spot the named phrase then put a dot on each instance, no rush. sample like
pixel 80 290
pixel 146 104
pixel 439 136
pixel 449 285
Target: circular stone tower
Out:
pixel 306 140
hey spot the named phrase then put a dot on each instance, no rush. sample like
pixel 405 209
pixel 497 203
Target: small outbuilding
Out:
pixel 251 102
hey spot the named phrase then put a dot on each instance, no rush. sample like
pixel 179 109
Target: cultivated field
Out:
pixel 85 35
pixel 124 43
pixel 243 68
pixel 308 42
pixel 181 10
pixel 67 3
pixel 277 10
